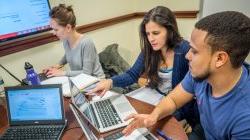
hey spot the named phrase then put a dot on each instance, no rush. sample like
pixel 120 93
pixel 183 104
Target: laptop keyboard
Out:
pixel 107 113
pixel 33 133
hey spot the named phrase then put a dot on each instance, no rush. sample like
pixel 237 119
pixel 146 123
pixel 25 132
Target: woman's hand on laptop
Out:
pixel 101 87
pixel 57 66
pixel 139 121
pixel 55 72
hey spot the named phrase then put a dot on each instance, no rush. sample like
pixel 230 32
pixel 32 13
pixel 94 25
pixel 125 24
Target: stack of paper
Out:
pixel 82 81
pixel 147 95
pixel 59 80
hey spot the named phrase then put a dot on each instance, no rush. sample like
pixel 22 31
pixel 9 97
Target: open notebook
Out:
pixel 82 81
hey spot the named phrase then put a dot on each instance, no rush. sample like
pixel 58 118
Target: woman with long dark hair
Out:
pixel 162 60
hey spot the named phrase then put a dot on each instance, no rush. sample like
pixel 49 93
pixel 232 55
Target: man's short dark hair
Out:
pixel 228 31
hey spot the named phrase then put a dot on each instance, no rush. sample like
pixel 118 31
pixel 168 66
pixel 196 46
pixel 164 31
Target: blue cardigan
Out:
pixel 180 68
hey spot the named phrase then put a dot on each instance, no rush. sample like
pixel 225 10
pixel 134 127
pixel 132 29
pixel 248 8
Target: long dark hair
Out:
pixel 165 18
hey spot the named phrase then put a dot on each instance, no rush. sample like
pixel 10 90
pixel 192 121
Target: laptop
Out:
pixel 104 114
pixel 34 112
pixel 138 134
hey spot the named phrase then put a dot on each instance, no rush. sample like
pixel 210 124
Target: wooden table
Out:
pixel 169 125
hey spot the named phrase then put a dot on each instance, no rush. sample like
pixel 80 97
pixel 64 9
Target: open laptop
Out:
pixel 104 114
pixel 35 112
pixel 138 134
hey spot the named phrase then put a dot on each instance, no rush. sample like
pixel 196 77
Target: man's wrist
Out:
pixel 155 114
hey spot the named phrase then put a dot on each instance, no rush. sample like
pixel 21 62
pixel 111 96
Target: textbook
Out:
pixel 83 81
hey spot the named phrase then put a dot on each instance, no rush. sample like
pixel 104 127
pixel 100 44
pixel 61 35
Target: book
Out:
pixel 82 81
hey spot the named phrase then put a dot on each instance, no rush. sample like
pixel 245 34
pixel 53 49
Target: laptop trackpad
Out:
pixel 124 107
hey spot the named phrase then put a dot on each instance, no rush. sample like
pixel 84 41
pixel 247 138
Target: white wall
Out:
pixel 174 5
pixel 88 11
pixel 185 25
pixel 213 6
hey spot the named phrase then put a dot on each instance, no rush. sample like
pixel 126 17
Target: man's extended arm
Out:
pixel 174 100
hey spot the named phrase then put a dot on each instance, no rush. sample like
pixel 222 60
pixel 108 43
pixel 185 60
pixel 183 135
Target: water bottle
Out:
pixel 32 77
pixel 1 87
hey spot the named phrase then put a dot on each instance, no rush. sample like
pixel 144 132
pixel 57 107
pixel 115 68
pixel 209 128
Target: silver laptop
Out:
pixel 139 134
pixel 104 114
pixel 35 112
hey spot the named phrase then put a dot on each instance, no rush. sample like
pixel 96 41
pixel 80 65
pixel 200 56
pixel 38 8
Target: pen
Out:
pixel 162 134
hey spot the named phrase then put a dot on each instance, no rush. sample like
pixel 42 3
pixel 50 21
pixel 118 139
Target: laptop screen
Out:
pixel 90 135
pixel 40 103
pixel 82 104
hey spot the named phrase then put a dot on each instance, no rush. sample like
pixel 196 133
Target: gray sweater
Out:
pixel 82 59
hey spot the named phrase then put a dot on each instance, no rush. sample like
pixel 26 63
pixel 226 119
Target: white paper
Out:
pixel 83 80
pixel 59 80
pixel 106 95
pixel 147 95
pixel 135 135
